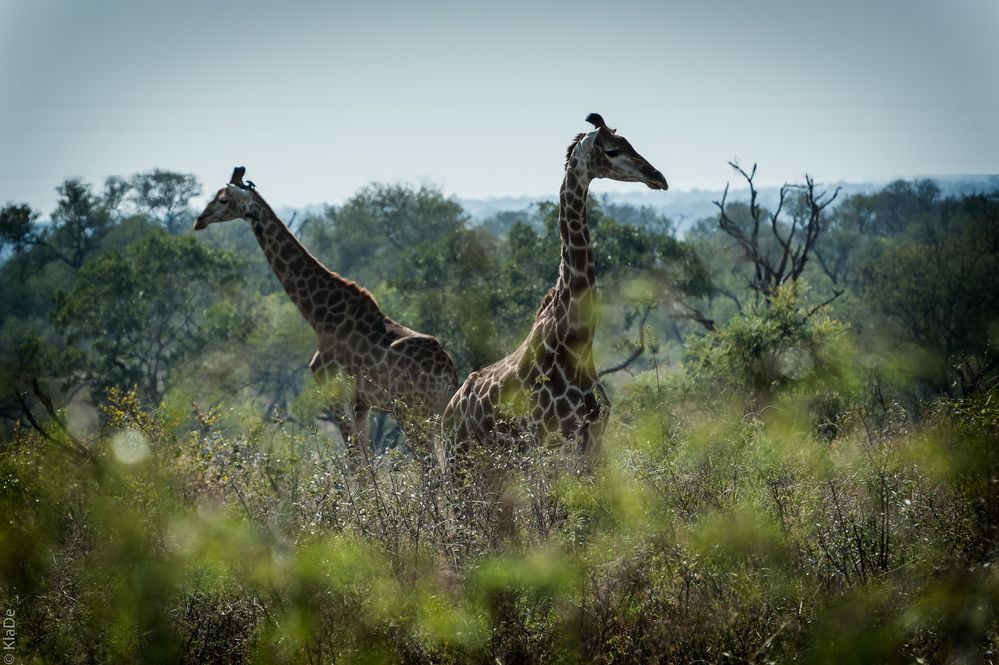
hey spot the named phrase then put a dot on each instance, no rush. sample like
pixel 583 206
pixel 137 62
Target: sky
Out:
pixel 318 99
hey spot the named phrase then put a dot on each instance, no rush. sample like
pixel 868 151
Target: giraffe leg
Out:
pixel 344 422
pixel 353 424
pixel 361 429
pixel 590 435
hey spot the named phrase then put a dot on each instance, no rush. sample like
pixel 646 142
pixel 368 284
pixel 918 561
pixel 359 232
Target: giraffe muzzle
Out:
pixel 657 181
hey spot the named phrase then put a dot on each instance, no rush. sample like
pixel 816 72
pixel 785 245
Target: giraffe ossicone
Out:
pixel 548 386
pixel 388 366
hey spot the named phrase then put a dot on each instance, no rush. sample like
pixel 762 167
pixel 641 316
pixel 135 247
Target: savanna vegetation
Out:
pixel 802 462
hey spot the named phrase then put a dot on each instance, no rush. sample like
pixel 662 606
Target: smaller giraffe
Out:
pixel 388 367
pixel 548 386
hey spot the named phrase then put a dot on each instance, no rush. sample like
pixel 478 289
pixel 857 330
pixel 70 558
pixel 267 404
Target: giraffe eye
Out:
pixel 613 152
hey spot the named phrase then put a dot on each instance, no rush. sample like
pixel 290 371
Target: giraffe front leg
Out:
pixel 342 390
pixel 594 422
pixel 361 430
pixel 589 438
pixel 352 420
pixel 344 418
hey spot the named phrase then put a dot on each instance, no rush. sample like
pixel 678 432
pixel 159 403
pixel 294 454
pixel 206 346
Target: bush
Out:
pixel 700 537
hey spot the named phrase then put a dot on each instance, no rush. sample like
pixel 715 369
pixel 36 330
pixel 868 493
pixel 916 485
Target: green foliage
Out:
pixel 164 196
pixel 137 312
pixel 943 296
pixel 79 223
pixel 17 221
pixel 767 349
pixel 859 222
pixel 715 535
pixel 386 230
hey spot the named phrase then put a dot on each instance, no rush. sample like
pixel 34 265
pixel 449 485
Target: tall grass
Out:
pixel 705 534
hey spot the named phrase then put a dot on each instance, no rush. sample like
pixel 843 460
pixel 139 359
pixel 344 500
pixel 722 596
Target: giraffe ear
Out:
pixel 237 176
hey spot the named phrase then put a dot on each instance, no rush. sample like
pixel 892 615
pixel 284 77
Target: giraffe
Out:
pixel 548 386
pixel 388 367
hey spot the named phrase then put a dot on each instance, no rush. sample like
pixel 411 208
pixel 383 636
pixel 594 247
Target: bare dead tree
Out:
pixel 778 249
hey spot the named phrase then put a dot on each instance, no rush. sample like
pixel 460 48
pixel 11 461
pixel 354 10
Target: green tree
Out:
pixel 901 204
pixel 79 223
pixel 642 216
pixel 851 231
pixel 165 197
pixel 136 313
pixel 17 224
pixel 29 357
pixel 944 297
pixel 383 229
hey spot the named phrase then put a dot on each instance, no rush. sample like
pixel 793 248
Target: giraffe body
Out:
pixel 548 387
pixel 386 366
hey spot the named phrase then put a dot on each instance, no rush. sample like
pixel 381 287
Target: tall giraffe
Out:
pixel 549 385
pixel 388 367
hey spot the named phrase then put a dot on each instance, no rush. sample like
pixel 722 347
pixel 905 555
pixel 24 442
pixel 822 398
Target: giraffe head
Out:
pixel 603 153
pixel 231 202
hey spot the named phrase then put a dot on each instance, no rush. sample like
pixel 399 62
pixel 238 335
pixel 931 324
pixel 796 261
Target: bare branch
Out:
pixel 826 268
pixel 691 313
pixel 624 364
pixel 636 353
pixel 77 448
pixel 772 271
pixel 731 296
pixel 836 294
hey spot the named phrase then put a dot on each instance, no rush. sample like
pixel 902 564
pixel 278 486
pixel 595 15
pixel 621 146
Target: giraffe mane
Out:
pixel 544 301
pixel 572 146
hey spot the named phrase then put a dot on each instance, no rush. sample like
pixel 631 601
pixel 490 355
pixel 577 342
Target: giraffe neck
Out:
pixel 576 286
pixel 309 284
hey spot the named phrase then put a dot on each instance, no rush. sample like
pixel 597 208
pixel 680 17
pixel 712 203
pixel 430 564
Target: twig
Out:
pixel 812 311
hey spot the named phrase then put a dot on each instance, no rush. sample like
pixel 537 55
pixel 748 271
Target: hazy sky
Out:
pixel 319 98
